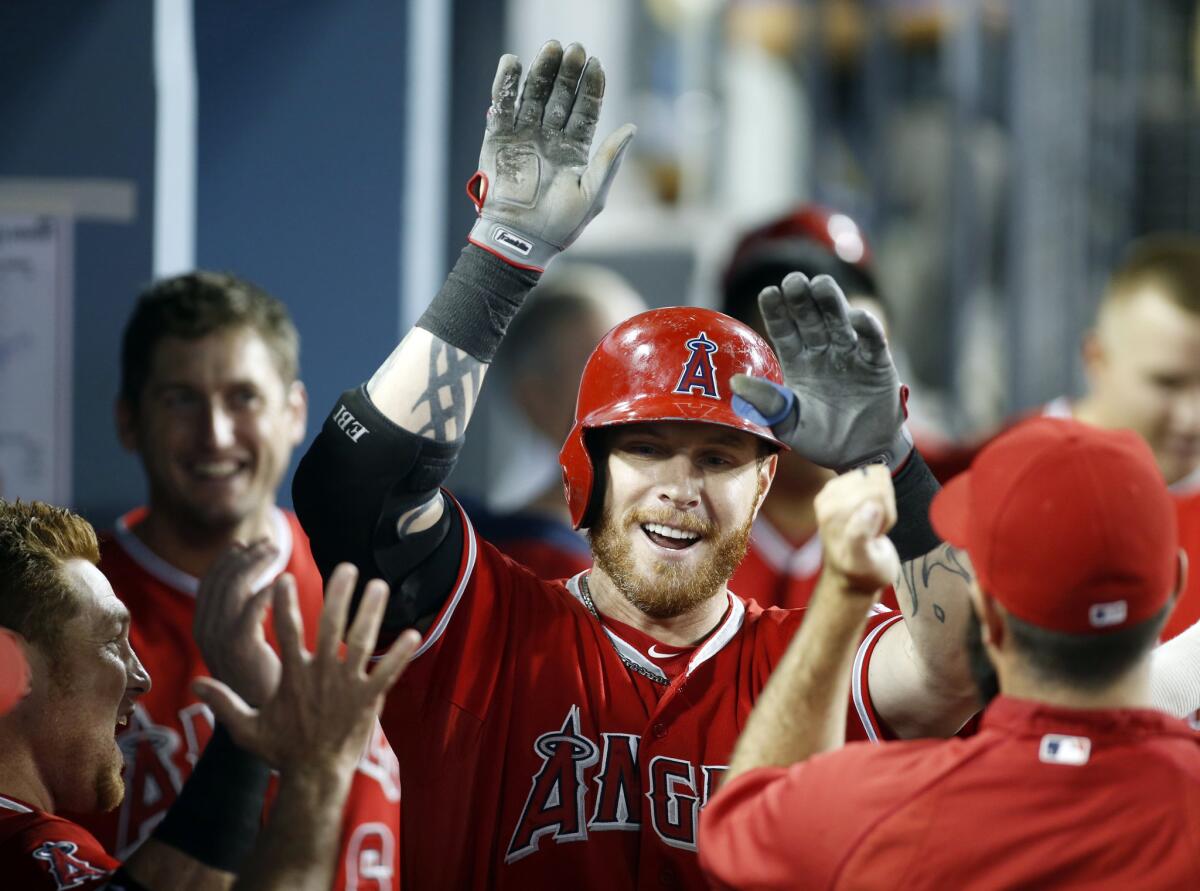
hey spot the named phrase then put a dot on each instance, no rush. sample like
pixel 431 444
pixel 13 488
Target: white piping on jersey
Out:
pixel 439 627
pixel 9 804
pixel 725 633
pixel 1060 407
pixel 856 677
pixel 189 584
pixel 778 552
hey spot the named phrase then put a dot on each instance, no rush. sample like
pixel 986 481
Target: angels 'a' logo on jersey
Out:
pixel 66 867
pixel 699 377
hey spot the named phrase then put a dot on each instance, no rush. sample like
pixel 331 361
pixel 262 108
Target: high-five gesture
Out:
pixel 534 189
pixel 843 404
pixel 324 706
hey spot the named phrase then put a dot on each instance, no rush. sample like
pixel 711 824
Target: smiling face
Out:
pixel 679 501
pixel 215 428
pixel 83 690
pixel 1144 373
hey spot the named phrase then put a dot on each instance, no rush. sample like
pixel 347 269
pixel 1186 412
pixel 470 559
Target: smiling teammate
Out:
pixel 212 404
pixel 565 732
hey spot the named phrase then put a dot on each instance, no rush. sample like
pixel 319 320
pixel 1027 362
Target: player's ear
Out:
pixel 1092 351
pixel 766 473
pixel 297 400
pixel 991 618
pixel 125 417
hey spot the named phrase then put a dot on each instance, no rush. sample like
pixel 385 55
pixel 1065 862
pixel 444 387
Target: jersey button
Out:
pixel 667 877
pixel 659 730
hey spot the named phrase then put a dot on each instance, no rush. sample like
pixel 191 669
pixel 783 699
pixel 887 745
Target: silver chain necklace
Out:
pixel 632 666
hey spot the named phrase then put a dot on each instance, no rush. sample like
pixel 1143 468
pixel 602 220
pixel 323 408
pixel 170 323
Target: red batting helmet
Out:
pixel 669 364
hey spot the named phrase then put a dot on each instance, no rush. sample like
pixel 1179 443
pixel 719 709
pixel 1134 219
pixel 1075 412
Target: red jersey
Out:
pixel 170 726
pixel 542 749
pixel 42 852
pixel 1041 797
pixel 550 548
pixel 779 572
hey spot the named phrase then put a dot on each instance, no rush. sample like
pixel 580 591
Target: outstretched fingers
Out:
pixel 781 327
pixel 806 316
pixel 538 84
pixel 502 113
pixel 603 167
pixel 872 341
pixel 364 633
pixel 288 624
pixel 562 96
pixel 338 593
pixel 835 311
pixel 581 125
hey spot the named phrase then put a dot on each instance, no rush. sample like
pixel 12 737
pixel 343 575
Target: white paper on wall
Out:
pixel 36 269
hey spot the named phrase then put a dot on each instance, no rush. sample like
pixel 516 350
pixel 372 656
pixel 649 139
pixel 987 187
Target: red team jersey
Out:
pixel 42 852
pixel 170 726
pixel 554 752
pixel 1041 797
pixel 779 572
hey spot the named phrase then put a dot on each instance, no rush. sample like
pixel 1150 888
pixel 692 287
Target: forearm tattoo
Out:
pixel 445 405
pixel 915 576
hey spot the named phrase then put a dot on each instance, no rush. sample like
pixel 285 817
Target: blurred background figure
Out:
pixel 530 406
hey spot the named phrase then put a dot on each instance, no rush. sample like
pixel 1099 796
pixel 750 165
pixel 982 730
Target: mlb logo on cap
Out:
pixel 1103 615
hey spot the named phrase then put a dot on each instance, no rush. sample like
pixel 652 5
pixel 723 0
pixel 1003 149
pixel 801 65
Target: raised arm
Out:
pixel 842 407
pixel 367 491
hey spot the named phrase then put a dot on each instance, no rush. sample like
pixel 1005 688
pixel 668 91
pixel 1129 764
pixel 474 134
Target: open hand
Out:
pixel 535 190
pixel 324 707
pixel 228 626
pixel 843 404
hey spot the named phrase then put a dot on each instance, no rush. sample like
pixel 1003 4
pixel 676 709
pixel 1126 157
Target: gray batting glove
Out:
pixel 843 404
pixel 535 190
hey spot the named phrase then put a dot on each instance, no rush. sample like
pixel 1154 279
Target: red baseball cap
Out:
pixel 1070 527
pixel 14 671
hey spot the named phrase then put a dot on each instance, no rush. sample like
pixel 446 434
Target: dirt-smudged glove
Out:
pixel 843 404
pixel 535 190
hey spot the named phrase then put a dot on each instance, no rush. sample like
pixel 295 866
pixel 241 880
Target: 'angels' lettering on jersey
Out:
pixel 556 805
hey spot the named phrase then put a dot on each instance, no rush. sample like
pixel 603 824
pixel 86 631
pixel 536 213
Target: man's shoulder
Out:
pixel 39 850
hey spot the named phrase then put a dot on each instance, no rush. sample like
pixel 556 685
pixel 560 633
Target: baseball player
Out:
pixel 1072 781
pixel 554 732
pixel 212 405
pixel 57 748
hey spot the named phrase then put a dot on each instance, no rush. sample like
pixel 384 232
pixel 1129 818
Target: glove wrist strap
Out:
pixel 511 245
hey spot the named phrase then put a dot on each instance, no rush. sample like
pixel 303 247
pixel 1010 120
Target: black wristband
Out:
pixel 479 298
pixel 915 484
pixel 218 812
pixel 122 881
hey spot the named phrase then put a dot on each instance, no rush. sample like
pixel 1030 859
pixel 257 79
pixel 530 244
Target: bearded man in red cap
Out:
pixel 1073 780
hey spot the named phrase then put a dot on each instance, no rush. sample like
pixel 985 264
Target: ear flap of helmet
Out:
pixel 578 474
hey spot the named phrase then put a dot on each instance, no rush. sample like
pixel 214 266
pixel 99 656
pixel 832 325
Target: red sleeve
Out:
pixel 864 722
pixel 53 854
